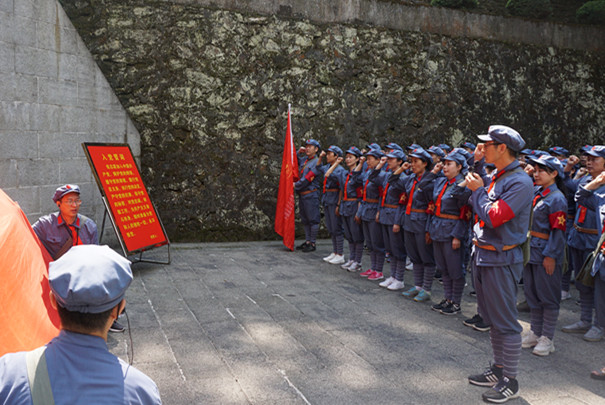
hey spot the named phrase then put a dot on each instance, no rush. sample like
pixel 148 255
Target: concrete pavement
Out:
pixel 252 323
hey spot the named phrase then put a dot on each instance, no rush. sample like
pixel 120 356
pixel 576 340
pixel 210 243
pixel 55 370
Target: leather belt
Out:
pixel 391 206
pixel 447 216
pixel 540 235
pixel 332 190
pixel 349 199
pixel 570 216
pixel 585 230
pixel 308 192
pixel 371 200
pixel 418 210
pixel 492 248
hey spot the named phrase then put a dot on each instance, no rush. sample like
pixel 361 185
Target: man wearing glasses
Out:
pixel 62 230
pixel 503 210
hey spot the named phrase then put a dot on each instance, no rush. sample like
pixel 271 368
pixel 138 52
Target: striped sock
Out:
pixel 447 286
pixel 550 322
pixel 351 251
pixel 418 274
pixel 536 320
pixel 496 340
pixel 429 275
pixel 458 289
pixel 379 262
pixel 586 303
pixel 511 354
pixel 400 270
pixel 358 252
pixel 340 241
pixel 314 231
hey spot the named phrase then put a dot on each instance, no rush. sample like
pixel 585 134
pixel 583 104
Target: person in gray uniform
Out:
pixel 333 175
pixel 307 188
pixel 448 229
pixel 503 210
pixel 542 274
pixel 350 201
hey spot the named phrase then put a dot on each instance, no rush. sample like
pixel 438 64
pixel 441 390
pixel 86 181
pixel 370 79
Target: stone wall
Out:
pixel 208 90
pixel 53 97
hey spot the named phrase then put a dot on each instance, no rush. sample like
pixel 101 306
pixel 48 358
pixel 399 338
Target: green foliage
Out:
pixel 530 8
pixel 455 3
pixel 592 12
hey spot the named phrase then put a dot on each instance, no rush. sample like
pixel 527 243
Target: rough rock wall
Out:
pixel 208 91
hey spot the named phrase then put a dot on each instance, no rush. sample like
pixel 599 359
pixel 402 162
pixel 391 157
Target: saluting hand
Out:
pixel 339 160
pixel 474 181
pixel 479 152
pixel 437 168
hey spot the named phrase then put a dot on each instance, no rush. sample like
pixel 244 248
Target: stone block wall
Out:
pixel 53 97
pixel 208 90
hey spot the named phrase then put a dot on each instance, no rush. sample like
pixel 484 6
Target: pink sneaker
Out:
pixel 367 273
pixel 375 276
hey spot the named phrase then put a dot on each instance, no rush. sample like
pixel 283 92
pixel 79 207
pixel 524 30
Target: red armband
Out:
pixel 358 192
pixel 558 220
pixel 403 198
pixel 500 213
pixel 466 212
pixel 431 208
pixel 310 176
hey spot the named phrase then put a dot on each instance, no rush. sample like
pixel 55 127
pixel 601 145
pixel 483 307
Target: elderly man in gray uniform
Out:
pixel 503 211
pixel 62 230
pixel 88 285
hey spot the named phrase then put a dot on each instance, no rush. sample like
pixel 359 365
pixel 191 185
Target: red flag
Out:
pixel 284 212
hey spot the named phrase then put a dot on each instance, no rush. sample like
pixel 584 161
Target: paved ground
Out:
pixel 253 323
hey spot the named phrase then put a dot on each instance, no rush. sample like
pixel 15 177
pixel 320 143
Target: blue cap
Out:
pixel 558 150
pixel 447 148
pixel 393 145
pixel 505 135
pixel 526 151
pixel 375 152
pixel 312 142
pixel 585 148
pixel 373 146
pixel 335 149
pixel 414 146
pixel 456 156
pixel 469 145
pixel 354 150
pixel 397 154
pixel 89 278
pixel 421 154
pixel 549 161
pixel 596 151
pixel 66 189
pixel 437 151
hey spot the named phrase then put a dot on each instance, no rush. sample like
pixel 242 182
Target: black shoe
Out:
pixel 440 306
pixel 302 245
pixel 473 293
pixel 489 378
pixel 437 275
pixel 309 247
pixel 482 326
pixel 116 327
pixel 471 321
pixel 523 307
pixel 507 388
pixel 451 309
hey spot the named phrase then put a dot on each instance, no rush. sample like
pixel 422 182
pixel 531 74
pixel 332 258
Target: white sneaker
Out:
pixel 565 295
pixel 396 285
pixel 354 267
pixel 409 265
pixel 544 347
pixel 347 264
pixel 387 282
pixel 337 259
pixel 529 339
pixel 328 258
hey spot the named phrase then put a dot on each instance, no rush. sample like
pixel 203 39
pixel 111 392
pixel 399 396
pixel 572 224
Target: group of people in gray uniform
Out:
pixel 507 214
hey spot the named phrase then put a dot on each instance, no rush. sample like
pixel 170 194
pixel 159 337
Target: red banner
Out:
pixel 284 212
pixel 133 213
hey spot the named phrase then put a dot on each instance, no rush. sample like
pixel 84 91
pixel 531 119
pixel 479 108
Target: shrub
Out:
pixel 455 3
pixel 592 12
pixel 530 8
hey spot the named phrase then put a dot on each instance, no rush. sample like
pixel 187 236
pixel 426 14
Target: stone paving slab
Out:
pixel 251 323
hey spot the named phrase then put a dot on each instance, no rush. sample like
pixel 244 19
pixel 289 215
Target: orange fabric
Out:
pixel 27 320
